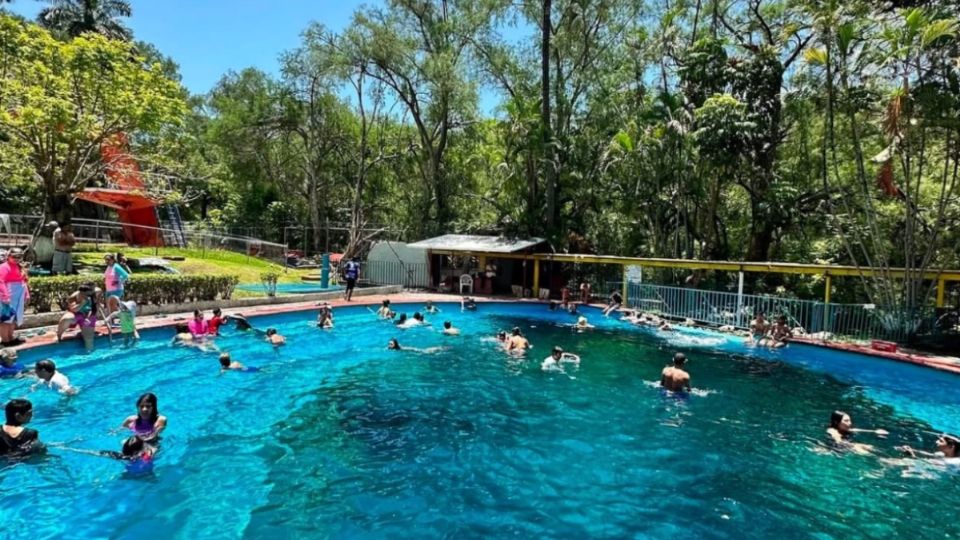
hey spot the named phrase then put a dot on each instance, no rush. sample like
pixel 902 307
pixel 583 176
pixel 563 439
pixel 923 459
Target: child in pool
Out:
pixel 127 313
pixel 9 367
pixel 148 423
pixel 227 364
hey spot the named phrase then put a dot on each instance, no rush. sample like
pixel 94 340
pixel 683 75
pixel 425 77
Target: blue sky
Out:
pixel 210 37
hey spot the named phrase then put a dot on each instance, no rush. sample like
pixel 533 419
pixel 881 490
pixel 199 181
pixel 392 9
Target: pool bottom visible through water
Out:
pixel 338 437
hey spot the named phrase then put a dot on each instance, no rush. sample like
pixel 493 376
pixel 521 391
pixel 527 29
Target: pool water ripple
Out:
pixel 338 437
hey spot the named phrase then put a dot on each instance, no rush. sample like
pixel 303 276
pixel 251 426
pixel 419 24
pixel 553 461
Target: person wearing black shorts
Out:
pixel 351 271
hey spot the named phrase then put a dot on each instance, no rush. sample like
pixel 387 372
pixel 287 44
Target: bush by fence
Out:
pixel 50 293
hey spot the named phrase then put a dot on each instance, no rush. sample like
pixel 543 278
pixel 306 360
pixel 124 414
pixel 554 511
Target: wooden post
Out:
pixel 536 278
pixel 826 303
pixel 941 289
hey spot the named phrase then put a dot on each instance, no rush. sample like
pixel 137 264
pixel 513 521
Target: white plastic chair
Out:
pixel 466 282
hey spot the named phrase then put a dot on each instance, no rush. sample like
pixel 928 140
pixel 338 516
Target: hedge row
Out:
pixel 50 293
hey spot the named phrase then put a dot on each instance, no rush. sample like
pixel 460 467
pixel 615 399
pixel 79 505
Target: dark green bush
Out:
pixel 50 293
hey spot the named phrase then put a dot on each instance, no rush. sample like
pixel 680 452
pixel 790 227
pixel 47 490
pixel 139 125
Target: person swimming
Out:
pixel 9 366
pixel 325 318
pixel 394 345
pixel 227 364
pixel 841 431
pixel 449 329
pixel 947 446
pixel 430 308
pixel 148 423
pixel 468 303
pixel 582 323
pixel 47 374
pixel 275 338
pixel 385 312
pixel 557 358
pixel 675 378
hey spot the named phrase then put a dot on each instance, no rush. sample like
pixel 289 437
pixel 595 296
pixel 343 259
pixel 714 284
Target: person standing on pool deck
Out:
pixel 351 272
pixel 585 292
pixel 63 242
pixel 15 439
pixel 148 422
pixel 675 378
pixel 14 296
pixel 114 277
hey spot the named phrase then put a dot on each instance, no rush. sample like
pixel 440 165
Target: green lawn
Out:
pixel 196 261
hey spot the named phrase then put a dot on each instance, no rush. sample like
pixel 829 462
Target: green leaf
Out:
pixel 624 141
pixel 816 57
pixel 938 29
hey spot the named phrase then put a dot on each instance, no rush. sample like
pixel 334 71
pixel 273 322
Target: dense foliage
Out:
pixel 796 130
pixel 51 293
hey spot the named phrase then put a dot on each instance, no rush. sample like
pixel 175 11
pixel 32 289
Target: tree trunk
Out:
pixel 314 205
pixel 549 175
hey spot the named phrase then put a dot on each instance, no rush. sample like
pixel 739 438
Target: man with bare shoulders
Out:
pixel 63 242
pixel 674 378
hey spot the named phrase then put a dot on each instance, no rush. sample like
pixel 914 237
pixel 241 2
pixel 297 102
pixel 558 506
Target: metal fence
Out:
pixel 410 275
pixel 854 321
pixel 20 230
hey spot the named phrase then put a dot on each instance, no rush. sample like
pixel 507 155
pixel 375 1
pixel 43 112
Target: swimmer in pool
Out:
pixel 385 312
pixel 15 438
pixel 947 446
pixel 503 340
pixel 841 430
pixel 468 303
pixel 582 323
pixel 148 423
pixel 275 338
pixel 183 335
pixel 430 308
pixel 47 374
pixel 394 345
pixel 226 364
pixel 558 357
pixel 449 330
pixel 518 342
pixel 402 321
pixel 133 449
pixel 418 319
pixel 675 378
pixel 9 366
pixel 325 318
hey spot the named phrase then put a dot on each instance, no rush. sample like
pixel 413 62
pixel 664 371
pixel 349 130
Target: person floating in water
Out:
pixel 17 440
pixel 385 312
pixel 148 423
pixel 449 329
pixel 275 338
pixel 557 358
pixel 841 431
pixel 134 449
pixel 47 374
pixel 9 366
pixel 394 345
pixel 675 378
pixel 467 303
pixel 947 446
pixel 583 324
pixel 430 308
pixel 215 322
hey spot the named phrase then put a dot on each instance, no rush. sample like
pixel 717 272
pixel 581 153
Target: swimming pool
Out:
pixel 289 288
pixel 338 437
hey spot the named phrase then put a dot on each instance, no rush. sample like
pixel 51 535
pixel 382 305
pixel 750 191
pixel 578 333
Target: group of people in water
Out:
pixel 142 445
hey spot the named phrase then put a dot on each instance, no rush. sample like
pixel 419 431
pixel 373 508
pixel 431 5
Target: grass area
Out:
pixel 211 261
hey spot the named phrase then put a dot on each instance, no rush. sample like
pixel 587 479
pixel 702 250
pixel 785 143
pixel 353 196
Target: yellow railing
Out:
pixel 826 270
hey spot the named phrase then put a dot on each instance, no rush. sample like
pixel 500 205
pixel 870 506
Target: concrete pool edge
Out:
pixel 254 307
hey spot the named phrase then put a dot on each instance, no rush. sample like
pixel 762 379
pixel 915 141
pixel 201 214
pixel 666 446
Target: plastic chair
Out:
pixel 466 282
pixel 544 294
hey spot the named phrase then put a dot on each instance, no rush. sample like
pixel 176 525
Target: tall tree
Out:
pixel 75 17
pixel 60 102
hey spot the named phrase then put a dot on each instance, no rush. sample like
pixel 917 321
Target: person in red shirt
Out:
pixel 213 325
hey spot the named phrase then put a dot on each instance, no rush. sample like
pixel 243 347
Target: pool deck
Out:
pixel 942 363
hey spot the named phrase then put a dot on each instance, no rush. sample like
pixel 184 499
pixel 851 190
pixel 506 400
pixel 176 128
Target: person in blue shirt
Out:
pixel 9 367
pixel 351 272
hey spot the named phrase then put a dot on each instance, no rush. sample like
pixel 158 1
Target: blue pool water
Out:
pixel 338 437
pixel 289 288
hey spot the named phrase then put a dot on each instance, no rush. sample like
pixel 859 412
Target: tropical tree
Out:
pixel 75 17
pixel 61 102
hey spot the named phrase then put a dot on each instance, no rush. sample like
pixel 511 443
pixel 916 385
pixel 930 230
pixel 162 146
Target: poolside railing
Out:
pixel 851 321
pixel 410 275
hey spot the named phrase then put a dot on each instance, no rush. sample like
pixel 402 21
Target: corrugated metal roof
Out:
pixel 467 242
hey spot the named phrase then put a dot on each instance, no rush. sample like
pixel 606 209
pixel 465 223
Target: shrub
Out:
pixel 269 280
pixel 50 293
